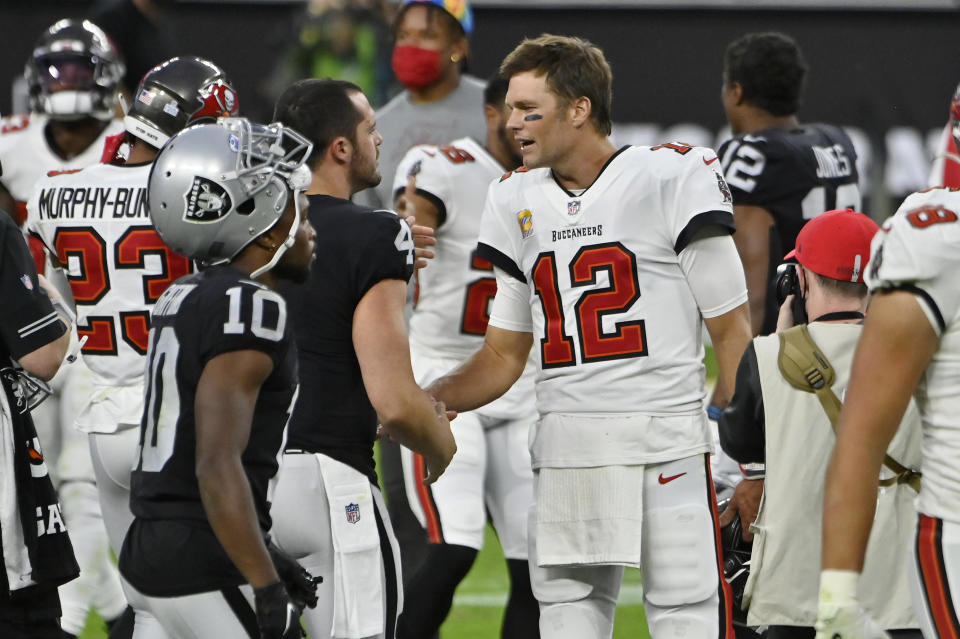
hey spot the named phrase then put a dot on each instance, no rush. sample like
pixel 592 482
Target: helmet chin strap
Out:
pixel 288 242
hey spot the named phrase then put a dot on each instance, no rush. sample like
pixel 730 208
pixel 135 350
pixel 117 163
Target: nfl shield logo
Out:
pixel 573 207
pixel 353 513
pixel 27 282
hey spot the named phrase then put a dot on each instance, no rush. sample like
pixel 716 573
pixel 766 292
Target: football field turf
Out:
pixel 478 605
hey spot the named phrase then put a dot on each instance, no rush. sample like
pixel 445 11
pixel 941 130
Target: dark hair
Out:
pixel 573 67
pixel 320 109
pixel 770 69
pixel 496 91
pixel 454 28
pixel 843 288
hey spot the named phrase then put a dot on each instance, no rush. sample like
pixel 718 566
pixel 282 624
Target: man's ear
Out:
pixel 341 149
pixel 266 241
pixel 459 51
pixel 492 115
pixel 803 280
pixel 580 110
pixel 736 92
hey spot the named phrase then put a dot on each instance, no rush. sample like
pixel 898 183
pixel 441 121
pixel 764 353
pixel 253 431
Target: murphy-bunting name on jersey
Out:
pixel 580 231
pixel 92 203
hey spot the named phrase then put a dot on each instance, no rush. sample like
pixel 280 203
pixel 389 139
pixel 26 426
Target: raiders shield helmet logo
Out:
pixel 206 201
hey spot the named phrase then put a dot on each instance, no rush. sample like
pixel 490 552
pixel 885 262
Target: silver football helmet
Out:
pixel 214 188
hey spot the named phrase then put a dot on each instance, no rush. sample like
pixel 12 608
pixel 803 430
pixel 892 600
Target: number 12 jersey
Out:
pixel 614 321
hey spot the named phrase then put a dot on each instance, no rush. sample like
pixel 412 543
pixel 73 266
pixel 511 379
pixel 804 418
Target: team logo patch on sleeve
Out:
pixel 206 201
pixel 353 513
pixel 724 189
pixel 525 220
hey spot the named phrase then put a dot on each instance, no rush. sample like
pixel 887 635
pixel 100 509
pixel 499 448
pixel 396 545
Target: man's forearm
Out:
pixel 481 378
pixel 228 502
pixel 730 334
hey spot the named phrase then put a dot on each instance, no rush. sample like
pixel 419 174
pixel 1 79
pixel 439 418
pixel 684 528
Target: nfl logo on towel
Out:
pixel 573 207
pixel 353 513
pixel 27 282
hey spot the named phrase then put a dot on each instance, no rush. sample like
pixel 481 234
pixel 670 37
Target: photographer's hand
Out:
pixel 785 317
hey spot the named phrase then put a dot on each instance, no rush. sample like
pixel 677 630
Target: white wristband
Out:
pixel 839 587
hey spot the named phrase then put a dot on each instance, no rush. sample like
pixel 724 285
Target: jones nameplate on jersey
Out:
pixel 580 231
pixel 92 203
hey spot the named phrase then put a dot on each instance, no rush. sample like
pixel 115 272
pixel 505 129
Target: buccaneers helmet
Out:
pixel 214 188
pixel 177 93
pixel 74 72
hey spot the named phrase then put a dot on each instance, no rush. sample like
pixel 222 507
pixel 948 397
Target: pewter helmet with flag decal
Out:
pixel 176 93
pixel 74 72
pixel 214 188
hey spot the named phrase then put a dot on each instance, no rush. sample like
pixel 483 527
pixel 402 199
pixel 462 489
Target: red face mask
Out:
pixel 416 68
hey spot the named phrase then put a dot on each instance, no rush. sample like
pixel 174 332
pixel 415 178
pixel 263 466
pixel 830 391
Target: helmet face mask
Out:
pixel 74 72
pixel 177 93
pixel 214 188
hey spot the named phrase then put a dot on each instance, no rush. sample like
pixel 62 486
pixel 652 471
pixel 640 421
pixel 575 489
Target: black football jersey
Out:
pixel 199 317
pixel 356 248
pixel 28 320
pixel 794 174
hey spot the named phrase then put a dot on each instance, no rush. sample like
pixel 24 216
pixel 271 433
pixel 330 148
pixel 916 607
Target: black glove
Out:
pixel 301 585
pixel 277 617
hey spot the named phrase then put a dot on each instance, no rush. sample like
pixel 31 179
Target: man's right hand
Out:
pixel 300 584
pixel 785 319
pixel 839 615
pixel 277 616
pixel 446 446
pixel 745 502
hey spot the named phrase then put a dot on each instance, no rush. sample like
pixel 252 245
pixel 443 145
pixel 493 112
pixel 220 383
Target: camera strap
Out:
pixel 806 368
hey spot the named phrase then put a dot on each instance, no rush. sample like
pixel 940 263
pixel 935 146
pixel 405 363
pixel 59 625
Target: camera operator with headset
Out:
pixel 779 426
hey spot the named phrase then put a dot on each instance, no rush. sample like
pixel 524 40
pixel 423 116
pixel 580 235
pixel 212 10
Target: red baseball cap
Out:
pixel 836 244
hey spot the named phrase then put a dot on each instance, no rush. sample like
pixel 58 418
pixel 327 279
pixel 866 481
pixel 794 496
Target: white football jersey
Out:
pixel 457 287
pixel 95 221
pixel 918 250
pixel 26 156
pixel 616 328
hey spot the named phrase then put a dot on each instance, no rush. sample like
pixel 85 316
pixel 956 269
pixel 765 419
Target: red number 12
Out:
pixel 628 338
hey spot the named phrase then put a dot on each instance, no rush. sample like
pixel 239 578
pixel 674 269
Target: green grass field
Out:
pixel 478 605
